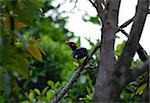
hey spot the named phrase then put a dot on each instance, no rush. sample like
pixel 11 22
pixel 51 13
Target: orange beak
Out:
pixel 66 42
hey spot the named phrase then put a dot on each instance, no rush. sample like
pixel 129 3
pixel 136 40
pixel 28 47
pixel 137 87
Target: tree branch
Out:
pixel 135 34
pixel 134 73
pixel 98 6
pixel 74 5
pixel 131 46
pixel 75 75
pixel 141 52
pixel 93 4
pixel 100 10
pixel 126 23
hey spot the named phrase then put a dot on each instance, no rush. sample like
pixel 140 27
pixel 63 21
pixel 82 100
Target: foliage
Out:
pixel 32 50
pixel 94 20
pixel 45 95
pixel 135 89
pixel 120 48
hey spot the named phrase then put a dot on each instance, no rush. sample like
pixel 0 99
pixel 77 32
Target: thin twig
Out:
pixel 126 23
pixel 93 3
pixel 75 5
pixel 99 8
pixel 75 75
pixel 124 32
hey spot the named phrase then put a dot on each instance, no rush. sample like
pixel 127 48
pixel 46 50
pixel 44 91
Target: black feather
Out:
pixel 80 53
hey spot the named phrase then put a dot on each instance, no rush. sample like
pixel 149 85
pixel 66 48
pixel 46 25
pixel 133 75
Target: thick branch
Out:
pixel 131 47
pixel 142 53
pixel 75 76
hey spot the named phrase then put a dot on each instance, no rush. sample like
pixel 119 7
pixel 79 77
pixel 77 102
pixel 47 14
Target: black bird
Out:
pixel 78 53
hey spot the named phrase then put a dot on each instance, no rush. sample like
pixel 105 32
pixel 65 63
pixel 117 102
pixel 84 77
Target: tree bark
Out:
pixel 103 83
pixel 112 79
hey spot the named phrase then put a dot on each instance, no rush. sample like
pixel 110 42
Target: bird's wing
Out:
pixel 80 53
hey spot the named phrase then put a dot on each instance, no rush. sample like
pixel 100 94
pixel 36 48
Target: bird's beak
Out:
pixel 66 42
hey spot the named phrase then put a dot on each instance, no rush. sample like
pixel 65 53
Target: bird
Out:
pixel 77 53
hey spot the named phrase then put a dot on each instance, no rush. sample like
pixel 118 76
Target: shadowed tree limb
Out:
pixel 134 73
pixel 145 98
pixel 141 52
pixel 75 76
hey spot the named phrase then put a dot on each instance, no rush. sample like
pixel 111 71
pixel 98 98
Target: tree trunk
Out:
pixel 112 79
pixel 104 79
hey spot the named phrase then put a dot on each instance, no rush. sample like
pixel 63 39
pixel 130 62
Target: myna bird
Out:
pixel 78 53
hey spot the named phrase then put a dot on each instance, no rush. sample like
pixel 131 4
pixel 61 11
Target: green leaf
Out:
pixel 94 20
pixel 57 84
pixel 117 36
pixel 49 94
pixel 34 6
pixel 26 101
pixel 120 48
pixel 125 95
pixel 37 91
pixel 31 95
pixel 135 63
pixel 141 89
pixel 6 50
pixel 51 83
pixel 89 97
pixel 78 41
pixel 44 90
pixel 35 51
